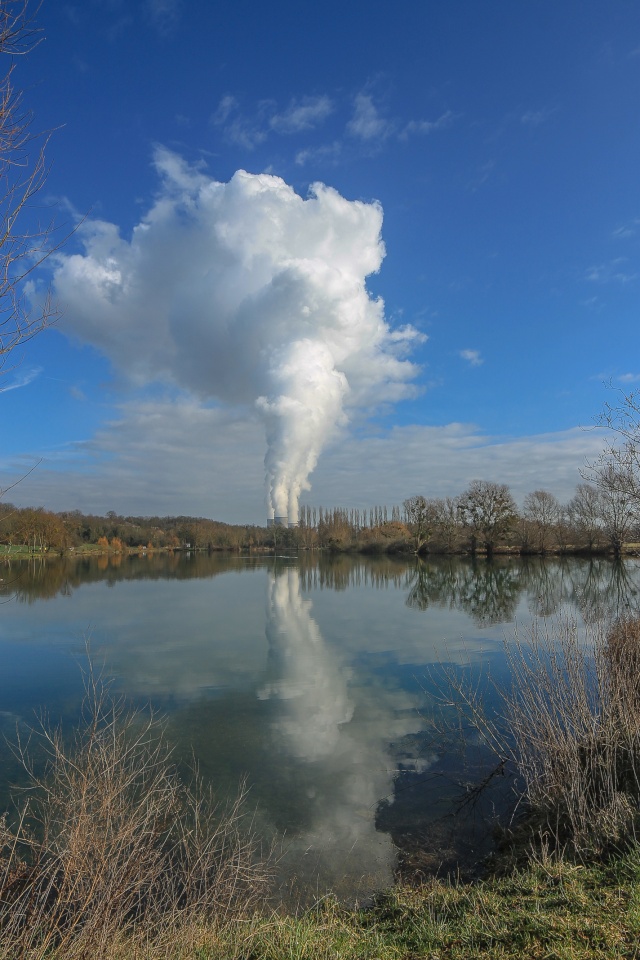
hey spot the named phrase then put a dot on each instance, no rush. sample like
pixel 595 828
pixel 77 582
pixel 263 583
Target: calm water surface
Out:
pixel 310 677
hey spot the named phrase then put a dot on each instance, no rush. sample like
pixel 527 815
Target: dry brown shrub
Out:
pixel 570 727
pixel 114 852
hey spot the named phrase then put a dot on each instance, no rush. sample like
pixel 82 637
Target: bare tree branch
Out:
pixel 23 173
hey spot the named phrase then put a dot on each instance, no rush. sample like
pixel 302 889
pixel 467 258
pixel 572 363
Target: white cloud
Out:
pixel 441 461
pixel 330 152
pixel 164 14
pixel 533 118
pixel 180 456
pixel 246 292
pixel 366 123
pixel 304 114
pixel 250 130
pixel 472 357
pixel 613 271
pixel 166 457
pixel 246 132
pixel 20 379
pixel 626 230
pixel 629 378
pixel 225 108
pixel 424 127
pixel 484 172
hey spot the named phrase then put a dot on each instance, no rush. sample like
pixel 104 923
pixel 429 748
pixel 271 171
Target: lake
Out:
pixel 310 677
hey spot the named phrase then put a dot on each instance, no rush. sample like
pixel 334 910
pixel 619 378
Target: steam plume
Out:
pixel 247 293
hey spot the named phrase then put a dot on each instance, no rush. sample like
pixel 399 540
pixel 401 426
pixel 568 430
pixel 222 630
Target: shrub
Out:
pixel 570 725
pixel 113 845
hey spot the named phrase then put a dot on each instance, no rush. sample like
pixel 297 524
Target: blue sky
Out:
pixel 501 142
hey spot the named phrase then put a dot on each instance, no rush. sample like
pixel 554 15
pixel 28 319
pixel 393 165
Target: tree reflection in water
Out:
pixel 489 591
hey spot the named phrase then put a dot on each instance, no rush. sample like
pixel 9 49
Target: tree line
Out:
pixel 482 519
pixel 485 518
pixel 42 531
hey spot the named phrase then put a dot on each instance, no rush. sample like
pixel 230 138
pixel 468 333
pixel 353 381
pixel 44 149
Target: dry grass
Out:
pixel 112 853
pixel 573 713
pixel 570 726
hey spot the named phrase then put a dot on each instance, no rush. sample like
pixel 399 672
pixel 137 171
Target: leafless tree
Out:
pixel 23 172
pixel 448 521
pixel 585 514
pixel 618 507
pixel 619 464
pixel 490 512
pixel 421 517
pixel 542 510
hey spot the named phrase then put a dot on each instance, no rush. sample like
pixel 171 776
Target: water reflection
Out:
pixel 318 699
pixel 43 578
pixel 340 728
pixel 302 674
pixel 488 592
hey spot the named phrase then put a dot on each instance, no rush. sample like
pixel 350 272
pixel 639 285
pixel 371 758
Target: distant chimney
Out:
pixel 271 522
pixel 281 522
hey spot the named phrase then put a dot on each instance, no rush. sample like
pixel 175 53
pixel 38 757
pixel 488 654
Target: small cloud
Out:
pixel 249 131
pixel 472 357
pixel 81 65
pixel 228 104
pixel 245 134
pixel 621 277
pixel 118 28
pixel 533 118
pixel 592 303
pixel 245 131
pixel 72 14
pixel 425 127
pixel 302 115
pixel 164 14
pixel 366 123
pixel 626 230
pixel 77 393
pixel 26 377
pixel 612 272
pixel 483 174
pixel 329 152
pixel 629 378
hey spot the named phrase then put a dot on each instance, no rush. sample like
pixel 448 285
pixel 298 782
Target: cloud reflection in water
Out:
pixel 338 723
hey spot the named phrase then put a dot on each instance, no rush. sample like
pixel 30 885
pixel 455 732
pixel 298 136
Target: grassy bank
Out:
pixel 549 910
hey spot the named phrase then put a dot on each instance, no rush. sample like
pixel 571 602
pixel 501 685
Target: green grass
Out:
pixel 548 911
pixel 552 911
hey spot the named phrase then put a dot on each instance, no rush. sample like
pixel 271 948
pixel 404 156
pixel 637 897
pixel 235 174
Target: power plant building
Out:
pixel 283 522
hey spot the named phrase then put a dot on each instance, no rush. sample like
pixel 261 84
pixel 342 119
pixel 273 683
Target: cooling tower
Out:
pixel 281 522
pixel 294 524
pixel 270 522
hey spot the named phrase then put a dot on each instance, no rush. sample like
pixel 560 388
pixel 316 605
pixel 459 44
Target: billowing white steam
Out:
pixel 245 292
